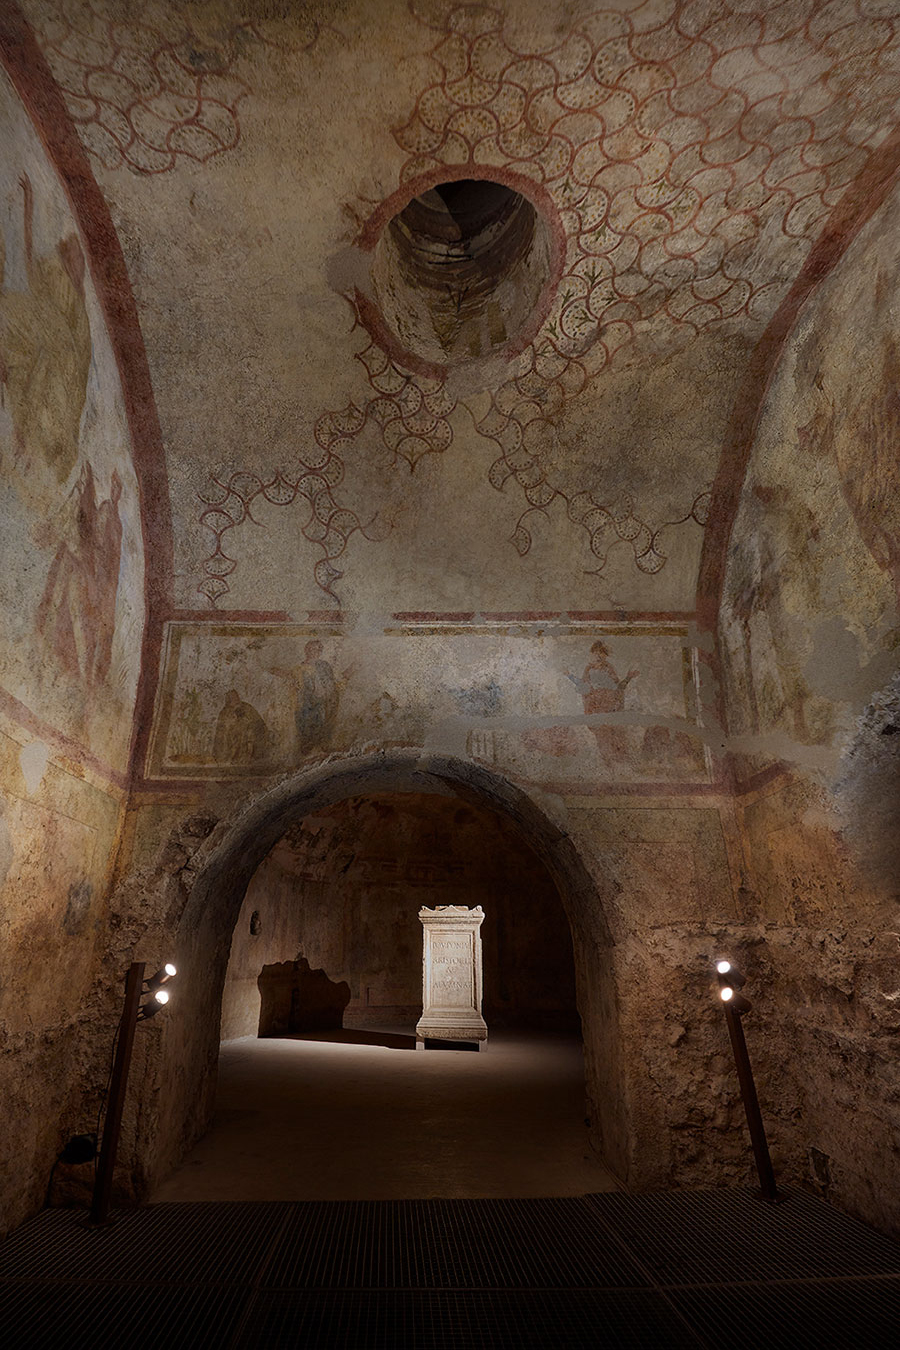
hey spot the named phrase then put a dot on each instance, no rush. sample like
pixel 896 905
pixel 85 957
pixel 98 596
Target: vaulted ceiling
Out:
pixel 692 171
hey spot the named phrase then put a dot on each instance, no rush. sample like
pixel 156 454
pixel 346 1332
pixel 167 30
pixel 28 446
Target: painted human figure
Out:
pixel 65 613
pixel 77 611
pixel 107 555
pixel 763 571
pixel 870 482
pixel 45 357
pixel 316 692
pixel 603 691
pixel 241 735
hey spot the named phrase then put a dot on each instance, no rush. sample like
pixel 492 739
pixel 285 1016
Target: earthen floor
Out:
pixel 359 1115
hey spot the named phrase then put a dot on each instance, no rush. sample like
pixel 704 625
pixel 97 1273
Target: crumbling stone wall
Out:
pixel 823 961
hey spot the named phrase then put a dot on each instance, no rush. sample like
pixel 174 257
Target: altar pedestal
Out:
pixel 451 976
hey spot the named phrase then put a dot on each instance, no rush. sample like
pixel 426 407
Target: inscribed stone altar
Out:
pixel 451 976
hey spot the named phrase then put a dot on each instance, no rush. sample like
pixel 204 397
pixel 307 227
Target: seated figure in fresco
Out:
pixel 241 735
pixel 671 754
pixel 603 691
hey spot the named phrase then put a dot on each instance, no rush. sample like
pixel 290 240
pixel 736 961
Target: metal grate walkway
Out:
pixel 690 1268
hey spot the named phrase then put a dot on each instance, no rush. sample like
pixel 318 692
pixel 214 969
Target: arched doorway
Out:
pixel 341 891
pixel 324 988
pixel 218 880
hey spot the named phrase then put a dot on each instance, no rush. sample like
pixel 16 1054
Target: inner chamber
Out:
pixel 332 1104
pixel 342 891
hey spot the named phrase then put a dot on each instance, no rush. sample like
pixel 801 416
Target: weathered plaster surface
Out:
pixel 71 568
pixel 71 618
pixel 478 577
pixel 688 160
pixel 810 602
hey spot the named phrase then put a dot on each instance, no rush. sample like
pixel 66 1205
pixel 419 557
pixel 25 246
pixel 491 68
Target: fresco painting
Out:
pixel 315 693
pixel 824 466
pixel 69 500
pixel 603 691
pixel 46 355
pixel 251 699
pixel 241 735
pixel 651 264
pixel 47 892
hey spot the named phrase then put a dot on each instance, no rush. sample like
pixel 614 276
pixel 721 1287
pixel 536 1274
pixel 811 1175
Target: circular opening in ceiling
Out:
pixel 460 270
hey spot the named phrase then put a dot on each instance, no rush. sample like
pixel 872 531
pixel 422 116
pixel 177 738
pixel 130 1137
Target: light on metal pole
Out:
pixel 133 1011
pixel 734 1006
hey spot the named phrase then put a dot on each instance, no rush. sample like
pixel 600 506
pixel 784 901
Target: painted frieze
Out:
pixel 553 702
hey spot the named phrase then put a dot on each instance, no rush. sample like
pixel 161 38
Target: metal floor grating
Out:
pixel 863 1314
pixel 84 1316
pixel 665 1269
pixel 449 1244
pixel 451 1319
pixel 178 1244
pixel 679 1235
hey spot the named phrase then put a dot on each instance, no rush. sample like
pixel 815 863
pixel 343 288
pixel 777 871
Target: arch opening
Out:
pixel 341 892
pixel 224 865
pixel 318 1001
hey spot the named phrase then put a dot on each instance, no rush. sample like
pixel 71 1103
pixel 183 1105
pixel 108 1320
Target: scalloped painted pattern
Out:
pixel 692 150
pixel 144 98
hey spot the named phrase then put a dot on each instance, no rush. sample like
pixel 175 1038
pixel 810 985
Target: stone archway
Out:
pixel 216 881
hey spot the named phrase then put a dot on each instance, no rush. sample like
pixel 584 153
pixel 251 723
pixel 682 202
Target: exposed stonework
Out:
pixel 601 543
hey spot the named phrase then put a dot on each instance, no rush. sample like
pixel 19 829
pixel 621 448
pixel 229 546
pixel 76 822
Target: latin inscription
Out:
pixel 451 972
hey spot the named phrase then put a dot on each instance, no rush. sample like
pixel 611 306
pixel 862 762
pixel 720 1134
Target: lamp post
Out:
pixel 133 1011
pixel 734 1006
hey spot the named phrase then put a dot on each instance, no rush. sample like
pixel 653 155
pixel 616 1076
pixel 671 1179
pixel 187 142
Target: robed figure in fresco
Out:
pixel 107 553
pixel 863 435
pixel 77 611
pixel 45 358
pixel 316 696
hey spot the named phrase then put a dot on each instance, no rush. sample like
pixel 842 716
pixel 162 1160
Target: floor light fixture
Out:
pixel 143 1000
pixel 735 1005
